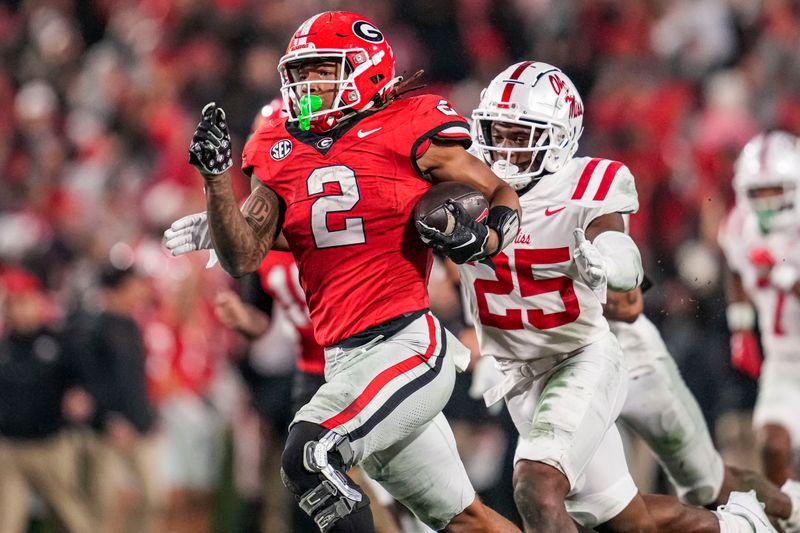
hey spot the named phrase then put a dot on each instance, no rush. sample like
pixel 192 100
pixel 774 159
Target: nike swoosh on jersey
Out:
pixel 548 212
pixel 470 241
pixel 361 133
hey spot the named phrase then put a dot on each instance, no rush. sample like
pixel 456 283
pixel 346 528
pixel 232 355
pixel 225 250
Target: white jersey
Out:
pixel 778 311
pixel 535 304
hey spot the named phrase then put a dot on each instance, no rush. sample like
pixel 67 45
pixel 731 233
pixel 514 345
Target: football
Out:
pixel 430 208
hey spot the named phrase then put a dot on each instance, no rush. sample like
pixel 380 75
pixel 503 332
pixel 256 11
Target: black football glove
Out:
pixel 210 149
pixel 466 243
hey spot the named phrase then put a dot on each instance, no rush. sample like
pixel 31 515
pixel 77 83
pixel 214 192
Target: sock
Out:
pixel 794 497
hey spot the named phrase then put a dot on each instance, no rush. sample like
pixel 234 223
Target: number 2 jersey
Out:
pixel 744 246
pixel 349 196
pixel 535 304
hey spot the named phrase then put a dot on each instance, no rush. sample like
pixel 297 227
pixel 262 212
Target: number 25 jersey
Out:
pixel 535 304
pixel 349 195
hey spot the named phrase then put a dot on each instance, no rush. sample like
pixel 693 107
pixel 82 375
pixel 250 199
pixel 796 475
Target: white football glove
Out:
pixel 591 264
pixel 188 234
pixel 783 277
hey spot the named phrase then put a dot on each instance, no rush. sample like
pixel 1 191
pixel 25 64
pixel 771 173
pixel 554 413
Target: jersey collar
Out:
pixel 323 142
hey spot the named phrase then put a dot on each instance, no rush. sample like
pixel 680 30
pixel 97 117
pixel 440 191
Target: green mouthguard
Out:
pixel 765 217
pixel 309 103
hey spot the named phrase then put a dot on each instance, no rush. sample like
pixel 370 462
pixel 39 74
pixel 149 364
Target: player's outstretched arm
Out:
pixel 745 351
pixel 248 321
pixel 734 288
pixel 241 237
pixel 451 162
pixel 740 312
pixel 191 233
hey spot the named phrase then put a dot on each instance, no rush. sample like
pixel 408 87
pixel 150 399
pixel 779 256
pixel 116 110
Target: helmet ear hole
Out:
pixel 376 78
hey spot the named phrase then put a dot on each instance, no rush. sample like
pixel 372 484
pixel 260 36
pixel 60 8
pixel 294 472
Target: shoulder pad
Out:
pixel 602 182
pixel 270 138
pixel 437 118
pixel 426 118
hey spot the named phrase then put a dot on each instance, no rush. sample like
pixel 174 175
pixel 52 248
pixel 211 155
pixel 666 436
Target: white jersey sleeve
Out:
pixel 603 186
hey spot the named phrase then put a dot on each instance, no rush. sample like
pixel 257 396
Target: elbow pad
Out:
pixel 622 260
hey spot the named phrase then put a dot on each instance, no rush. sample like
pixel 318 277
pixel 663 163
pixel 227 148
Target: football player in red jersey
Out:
pixel 340 178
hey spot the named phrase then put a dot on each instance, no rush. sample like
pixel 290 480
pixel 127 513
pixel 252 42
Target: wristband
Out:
pixel 741 316
pixel 505 221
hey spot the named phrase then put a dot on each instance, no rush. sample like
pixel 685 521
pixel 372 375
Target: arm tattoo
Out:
pixel 241 238
pixel 262 210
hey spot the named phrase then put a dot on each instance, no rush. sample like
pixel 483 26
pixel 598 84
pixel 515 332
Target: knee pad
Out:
pixel 313 468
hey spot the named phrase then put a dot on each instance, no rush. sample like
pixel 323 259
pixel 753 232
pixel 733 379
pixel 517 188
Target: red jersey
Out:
pixel 279 278
pixel 349 195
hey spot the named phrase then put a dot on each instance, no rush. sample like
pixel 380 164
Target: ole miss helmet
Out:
pixel 770 161
pixel 366 72
pixel 536 96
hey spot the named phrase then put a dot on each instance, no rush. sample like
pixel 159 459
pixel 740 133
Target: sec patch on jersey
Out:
pixel 430 209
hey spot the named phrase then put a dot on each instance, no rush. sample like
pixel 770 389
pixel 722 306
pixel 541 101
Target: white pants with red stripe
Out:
pixel 387 396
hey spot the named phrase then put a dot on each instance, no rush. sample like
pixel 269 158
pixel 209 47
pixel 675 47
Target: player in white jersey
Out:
pixel 661 409
pixel 539 313
pixel 761 242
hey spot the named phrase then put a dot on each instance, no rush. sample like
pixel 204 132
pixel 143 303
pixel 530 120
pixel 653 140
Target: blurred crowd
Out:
pixel 102 97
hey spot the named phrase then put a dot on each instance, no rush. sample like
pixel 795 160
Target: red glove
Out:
pixel 762 258
pixel 745 353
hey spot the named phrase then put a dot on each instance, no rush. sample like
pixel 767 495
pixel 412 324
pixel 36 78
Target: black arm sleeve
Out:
pixel 254 294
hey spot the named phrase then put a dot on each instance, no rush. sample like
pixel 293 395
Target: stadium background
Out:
pixel 101 97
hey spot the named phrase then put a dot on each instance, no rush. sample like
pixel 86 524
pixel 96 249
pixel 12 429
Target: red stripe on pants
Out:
pixel 379 381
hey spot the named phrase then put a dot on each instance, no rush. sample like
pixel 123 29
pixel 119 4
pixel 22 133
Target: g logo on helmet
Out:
pixel 367 31
pixel 281 149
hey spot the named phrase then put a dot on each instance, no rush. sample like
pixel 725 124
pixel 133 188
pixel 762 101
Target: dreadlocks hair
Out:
pixel 402 87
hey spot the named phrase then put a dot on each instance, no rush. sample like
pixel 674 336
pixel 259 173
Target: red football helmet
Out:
pixel 366 70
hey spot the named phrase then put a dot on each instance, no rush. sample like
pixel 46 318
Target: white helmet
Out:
pixel 537 96
pixel 769 160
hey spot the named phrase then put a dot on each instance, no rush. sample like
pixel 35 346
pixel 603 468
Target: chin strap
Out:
pixel 389 86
